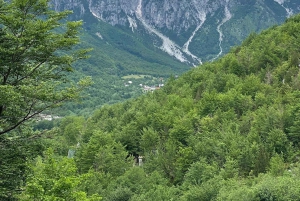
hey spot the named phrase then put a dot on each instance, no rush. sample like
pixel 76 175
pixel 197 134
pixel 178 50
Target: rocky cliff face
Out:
pixel 192 31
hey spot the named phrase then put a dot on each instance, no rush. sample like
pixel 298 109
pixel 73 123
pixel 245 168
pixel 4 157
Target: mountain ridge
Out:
pixel 178 25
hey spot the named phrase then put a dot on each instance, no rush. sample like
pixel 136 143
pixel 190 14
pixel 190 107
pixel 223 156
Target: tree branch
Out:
pixel 29 74
pixel 30 116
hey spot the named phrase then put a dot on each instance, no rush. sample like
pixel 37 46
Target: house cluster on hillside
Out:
pixel 47 117
pixel 146 88
pixel 151 88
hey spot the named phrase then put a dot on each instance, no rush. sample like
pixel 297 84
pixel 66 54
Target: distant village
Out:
pixel 151 88
pixel 47 117
pixel 145 88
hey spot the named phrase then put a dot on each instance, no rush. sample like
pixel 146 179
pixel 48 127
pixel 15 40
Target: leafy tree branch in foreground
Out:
pixel 36 54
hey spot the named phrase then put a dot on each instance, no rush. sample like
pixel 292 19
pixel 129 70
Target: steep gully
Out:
pixel 168 45
pixel 185 48
pixel 225 19
pixel 288 11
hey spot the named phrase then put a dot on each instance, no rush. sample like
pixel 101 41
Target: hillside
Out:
pixel 188 31
pixel 226 130
pixel 113 62
pixel 156 39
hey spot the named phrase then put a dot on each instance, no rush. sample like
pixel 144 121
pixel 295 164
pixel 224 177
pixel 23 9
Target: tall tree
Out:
pixel 36 53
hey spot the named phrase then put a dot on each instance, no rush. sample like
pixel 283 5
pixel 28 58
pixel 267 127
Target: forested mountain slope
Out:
pixel 226 130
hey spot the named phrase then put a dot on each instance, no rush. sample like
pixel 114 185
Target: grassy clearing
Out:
pixel 134 76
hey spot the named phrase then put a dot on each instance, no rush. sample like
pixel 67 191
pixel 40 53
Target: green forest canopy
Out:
pixel 226 130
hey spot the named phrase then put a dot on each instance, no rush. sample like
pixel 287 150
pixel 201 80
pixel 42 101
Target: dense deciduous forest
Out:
pixel 226 130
